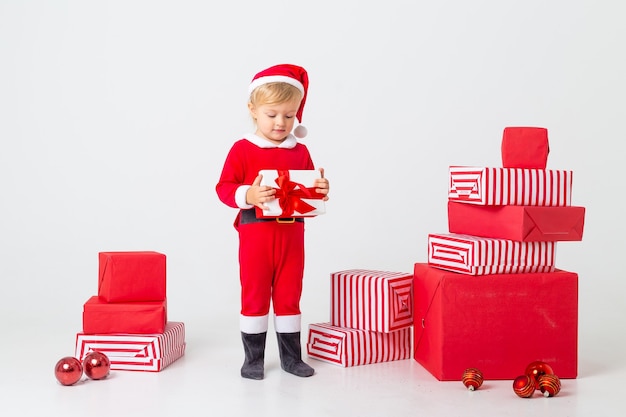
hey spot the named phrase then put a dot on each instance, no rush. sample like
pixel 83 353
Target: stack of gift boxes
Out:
pixel 127 320
pixel 370 319
pixel 490 296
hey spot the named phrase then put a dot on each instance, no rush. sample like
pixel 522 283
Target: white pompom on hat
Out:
pixel 290 74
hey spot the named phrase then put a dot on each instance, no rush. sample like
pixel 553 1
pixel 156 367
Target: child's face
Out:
pixel 275 121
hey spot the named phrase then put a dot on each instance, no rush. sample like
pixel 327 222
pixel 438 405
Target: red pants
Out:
pixel 271 267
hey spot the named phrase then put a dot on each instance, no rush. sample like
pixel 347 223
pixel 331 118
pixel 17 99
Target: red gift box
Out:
pixel 371 300
pixel 352 347
pixel 522 223
pixel 131 352
pixel 131 276
pixel 510 186
pixel 295 193
pixel 496 323
pixel 525 147
pixel 476 255
pixel 142 317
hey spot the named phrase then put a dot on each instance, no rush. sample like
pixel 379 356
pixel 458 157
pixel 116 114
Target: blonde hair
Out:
pixel 274 93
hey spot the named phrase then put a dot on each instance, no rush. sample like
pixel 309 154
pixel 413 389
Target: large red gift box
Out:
pixel 136 352
pixel 131 276
pixel 525 147
pixel 379 301
pixel 522 223
pixel 474 255
pixel 295 193
pixel 510 186
pixel 352 347
pixel 496 323
pixel 142 317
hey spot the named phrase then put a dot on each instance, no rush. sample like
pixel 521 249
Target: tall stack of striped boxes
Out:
pixel 127 320
pixel 370 319
pixel 490 296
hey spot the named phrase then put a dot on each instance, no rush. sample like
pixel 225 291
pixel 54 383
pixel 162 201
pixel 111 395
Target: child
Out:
pixel 271 251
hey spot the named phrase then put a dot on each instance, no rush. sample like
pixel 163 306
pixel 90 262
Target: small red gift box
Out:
pixel 522 223
pixel 474 255
pixel 510 186
pixel 496 323
pixel 525 147
pixel 295 194
pixel 379 301
pixel 132 276
pixel 136 352
pixel 141 317
pixel 352 347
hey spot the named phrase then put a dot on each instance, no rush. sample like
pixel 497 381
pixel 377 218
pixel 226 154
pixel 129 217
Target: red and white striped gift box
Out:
pixel 510 186
pixel 475 255
pixel 379 301
pixel 353 347
pixel 135 352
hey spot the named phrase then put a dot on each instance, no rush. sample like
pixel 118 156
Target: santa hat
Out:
pixel 290 74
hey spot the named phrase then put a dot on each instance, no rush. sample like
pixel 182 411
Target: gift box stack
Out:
pixel 127 320
pixel 370 319
pixel 490 296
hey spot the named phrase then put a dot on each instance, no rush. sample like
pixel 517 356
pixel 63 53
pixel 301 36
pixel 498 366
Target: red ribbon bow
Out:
pixel 290 197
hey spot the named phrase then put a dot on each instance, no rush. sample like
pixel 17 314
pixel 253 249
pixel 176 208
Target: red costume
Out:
pixel 271 254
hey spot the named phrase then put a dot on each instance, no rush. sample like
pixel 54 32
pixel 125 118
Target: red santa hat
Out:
pixel 290 74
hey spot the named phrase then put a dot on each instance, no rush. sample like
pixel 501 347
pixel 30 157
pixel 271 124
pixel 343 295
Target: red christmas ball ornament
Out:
pixel 472 378
pixel 537 369
pixel 68 370
pixel 550 385
pixel 523 386
pixel 96 365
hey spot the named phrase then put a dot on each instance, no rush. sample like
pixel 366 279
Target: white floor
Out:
pixel 206 381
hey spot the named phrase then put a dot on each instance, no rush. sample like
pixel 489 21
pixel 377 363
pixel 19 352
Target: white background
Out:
pixel 116 116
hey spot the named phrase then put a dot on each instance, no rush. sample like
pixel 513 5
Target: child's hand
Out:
pixel 259 194
pixel 322 185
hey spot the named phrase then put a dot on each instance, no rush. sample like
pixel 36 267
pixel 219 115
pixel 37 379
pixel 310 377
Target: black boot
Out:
pixel 254 348
pixel 291 356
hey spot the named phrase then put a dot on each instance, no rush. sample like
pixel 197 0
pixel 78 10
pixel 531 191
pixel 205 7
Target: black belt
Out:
pixel 249 216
